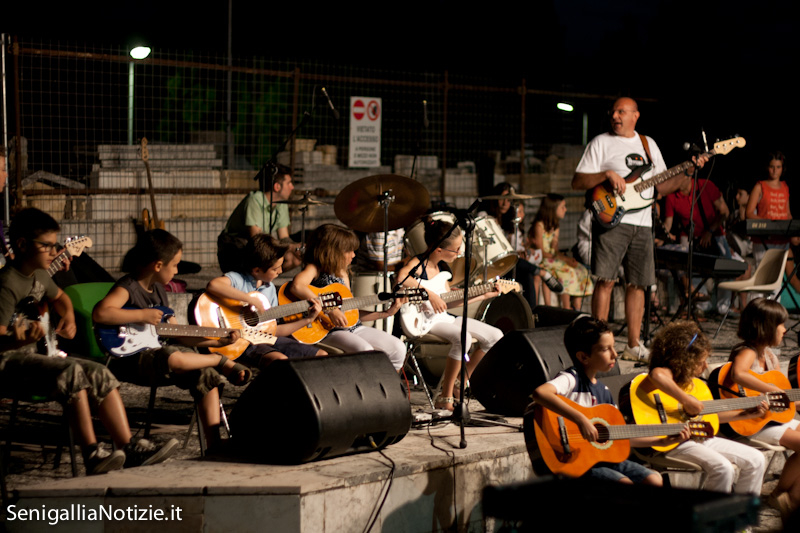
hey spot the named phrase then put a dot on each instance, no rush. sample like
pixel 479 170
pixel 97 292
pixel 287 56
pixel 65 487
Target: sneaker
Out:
pixel 101 461
pixel 637 353
pixel 552 282
pixel 144 452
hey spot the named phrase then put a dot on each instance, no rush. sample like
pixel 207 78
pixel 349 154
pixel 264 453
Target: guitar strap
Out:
pixel 646 148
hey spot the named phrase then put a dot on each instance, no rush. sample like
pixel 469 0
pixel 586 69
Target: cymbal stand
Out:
pixel 386 200
pixel 303 210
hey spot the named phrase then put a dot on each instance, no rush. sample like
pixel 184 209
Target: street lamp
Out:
pixel 138 53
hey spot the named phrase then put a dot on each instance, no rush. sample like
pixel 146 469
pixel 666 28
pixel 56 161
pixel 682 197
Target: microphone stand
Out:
pixel 270 168
pixel 689 292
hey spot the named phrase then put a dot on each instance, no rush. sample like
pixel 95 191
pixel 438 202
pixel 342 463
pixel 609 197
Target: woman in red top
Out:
pixel 770 200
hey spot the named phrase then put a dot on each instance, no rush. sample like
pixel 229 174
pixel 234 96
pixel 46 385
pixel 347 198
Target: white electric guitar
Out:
pixel 418 318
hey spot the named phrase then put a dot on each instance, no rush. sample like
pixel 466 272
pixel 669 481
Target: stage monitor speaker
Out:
pixel 521 361
pixel 545 316
pixel 300 410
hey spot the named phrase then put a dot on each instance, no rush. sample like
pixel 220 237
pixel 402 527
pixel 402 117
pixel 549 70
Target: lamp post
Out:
pixel 138 53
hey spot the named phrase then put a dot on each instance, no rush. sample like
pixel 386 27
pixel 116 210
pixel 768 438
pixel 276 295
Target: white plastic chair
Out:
pixel 767 278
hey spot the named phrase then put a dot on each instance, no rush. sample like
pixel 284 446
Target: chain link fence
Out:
pixel 77 115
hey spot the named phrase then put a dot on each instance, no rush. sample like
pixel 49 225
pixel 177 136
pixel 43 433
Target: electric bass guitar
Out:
pixel 418 318
pixel 608 207
pixel 782 408
pixel 212 311
pixel 122 341
pixel 29 310
pixel 319 328
pixel 652 406
pixel 565 451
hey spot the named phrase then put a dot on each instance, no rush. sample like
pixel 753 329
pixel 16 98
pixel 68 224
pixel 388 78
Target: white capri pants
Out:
pixel 485 334
pixel 717 457
pixel 364 339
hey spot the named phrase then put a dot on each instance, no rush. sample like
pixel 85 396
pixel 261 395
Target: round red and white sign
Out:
pixel 373 110
pixel 358 109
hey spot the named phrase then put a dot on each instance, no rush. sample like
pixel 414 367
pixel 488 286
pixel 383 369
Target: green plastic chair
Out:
pixel 84 297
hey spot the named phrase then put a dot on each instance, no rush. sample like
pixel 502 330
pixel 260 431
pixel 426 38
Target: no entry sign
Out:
pixel 365 132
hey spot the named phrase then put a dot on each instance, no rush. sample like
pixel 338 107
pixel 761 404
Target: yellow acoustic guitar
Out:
pixel 565 451
pixel 653 406
pixel 781 404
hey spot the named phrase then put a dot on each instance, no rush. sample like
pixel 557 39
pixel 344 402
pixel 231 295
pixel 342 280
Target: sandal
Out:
pixel 234 371
pixel 444 402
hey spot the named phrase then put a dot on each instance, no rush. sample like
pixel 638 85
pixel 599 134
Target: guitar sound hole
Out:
pixel 602 434
pixel 250 318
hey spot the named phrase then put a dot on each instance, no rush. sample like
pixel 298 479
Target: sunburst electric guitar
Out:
pixel 417 318
pixel 608 206
pixel 319 328
pixel 782 408
pixel 653 406
pixel 565 451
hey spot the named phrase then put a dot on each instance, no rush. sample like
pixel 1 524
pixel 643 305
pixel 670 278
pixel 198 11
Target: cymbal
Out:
pixel 304 201
pixel 512 196
pixel 359 205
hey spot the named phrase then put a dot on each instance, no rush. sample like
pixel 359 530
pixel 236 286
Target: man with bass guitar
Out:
pixel 626 239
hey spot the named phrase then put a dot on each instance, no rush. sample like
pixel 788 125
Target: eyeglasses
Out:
pixel 47 246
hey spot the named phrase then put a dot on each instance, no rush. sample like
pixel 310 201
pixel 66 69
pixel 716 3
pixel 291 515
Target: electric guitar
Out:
pixel 652 406
pixel 780 411
pixel 565 451
pixel 418 318
pixel 319 328
pixel 122 341
pixel 608 206
pixel 29 310
pixel 212 311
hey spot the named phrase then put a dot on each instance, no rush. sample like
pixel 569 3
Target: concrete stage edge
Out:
pixel 433 487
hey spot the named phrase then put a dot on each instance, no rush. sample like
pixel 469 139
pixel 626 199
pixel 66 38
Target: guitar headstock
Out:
pixel 778 401
pixel 413 295
pixel 76 245
pixel 330 299
pixel 507 286
pixel 723 147
pixel 144 153
pixel 700 430
pixel 254 336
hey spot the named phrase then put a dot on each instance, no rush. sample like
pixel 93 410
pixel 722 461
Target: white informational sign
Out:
pixel 365 132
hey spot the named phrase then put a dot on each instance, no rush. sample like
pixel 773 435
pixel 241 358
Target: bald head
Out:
pixel 624 115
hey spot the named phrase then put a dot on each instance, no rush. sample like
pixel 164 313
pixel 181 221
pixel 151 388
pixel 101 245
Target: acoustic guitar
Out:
pixel 565 451
pixel 319 328
pixel 653 406
pixel 782 408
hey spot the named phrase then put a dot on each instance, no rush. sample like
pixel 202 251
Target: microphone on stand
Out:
pixel 330 103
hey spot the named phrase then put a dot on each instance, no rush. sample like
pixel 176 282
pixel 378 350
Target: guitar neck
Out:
pixel 793 395
pixel 360 302
pixel 182 330
pixel 274 313
pixel 719 406
pixel 667 174
pixel 472 292
pixel 633 431
pixel 58 262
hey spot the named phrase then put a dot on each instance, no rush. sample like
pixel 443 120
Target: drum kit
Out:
pixel 387 202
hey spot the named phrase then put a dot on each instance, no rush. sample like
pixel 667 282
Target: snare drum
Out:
pixel 367 284
pixel 495 254
pixel 415 245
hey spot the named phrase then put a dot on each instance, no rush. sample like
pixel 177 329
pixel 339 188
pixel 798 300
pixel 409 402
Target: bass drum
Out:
pixel 495 254
pixel 507 312
pixel 415 245
pixel 368 283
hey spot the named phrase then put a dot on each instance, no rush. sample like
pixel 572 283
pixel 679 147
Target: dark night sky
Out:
pixel 725 66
